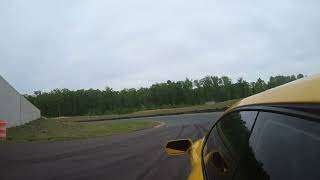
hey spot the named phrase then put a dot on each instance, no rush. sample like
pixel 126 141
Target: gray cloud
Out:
pixel 82 44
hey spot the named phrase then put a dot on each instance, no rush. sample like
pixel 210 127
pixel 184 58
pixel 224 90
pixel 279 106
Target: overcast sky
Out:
pixel 125 43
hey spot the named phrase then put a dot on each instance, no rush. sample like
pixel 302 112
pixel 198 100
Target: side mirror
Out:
pixel 178 147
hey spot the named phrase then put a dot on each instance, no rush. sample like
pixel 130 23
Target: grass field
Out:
pixel 157 112
pixel 47 130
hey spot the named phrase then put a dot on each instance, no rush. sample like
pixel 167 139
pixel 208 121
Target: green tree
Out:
pixel 65 102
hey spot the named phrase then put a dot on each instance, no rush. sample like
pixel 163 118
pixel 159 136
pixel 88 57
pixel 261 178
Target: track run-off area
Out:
pixel 134 156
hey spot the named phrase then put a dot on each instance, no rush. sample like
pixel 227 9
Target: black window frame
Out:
pixel 285 109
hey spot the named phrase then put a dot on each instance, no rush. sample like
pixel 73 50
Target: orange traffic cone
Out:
pixel 3 130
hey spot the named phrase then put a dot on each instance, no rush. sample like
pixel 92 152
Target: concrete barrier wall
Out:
pixel 15 108
pixel 28 111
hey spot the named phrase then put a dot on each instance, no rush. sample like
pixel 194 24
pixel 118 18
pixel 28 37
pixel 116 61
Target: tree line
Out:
pixel 65 102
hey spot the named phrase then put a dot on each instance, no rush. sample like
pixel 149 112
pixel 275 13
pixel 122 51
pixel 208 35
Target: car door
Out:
pixel 282 146
pixel 225 144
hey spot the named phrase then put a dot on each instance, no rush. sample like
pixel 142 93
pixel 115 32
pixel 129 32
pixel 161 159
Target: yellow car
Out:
pixel 271 135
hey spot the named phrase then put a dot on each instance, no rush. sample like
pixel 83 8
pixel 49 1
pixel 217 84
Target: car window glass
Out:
pixel 226 142
pixel 282 147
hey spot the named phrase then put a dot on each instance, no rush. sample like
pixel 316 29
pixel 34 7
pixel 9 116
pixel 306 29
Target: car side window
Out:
pixel 226 142
pixel 282 147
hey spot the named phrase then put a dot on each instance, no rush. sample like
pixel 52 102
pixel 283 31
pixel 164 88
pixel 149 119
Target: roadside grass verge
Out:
pixel 220 106
pixel 48 130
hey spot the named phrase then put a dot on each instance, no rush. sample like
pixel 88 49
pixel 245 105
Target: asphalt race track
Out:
pixel 139 155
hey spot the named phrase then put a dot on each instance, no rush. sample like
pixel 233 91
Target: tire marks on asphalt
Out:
pixel 136 156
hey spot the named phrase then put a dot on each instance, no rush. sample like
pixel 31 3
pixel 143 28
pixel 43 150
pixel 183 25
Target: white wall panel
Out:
pixel 15 108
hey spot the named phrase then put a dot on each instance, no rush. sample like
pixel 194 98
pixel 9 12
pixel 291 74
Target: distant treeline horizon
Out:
pixel 65 102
